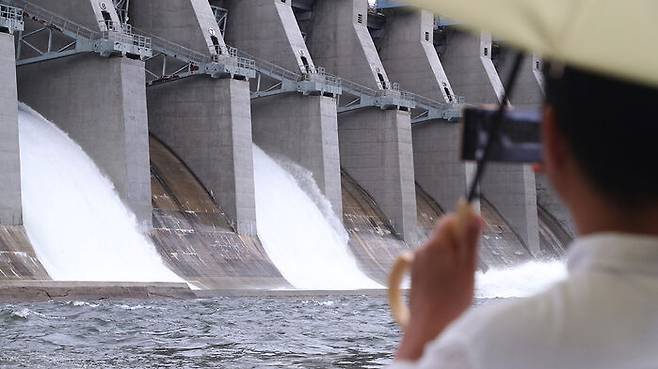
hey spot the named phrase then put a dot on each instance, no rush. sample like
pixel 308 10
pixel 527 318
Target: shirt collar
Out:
pixel 614 252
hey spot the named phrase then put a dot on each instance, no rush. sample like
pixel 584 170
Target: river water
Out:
pixel 227 332
pixel 334 331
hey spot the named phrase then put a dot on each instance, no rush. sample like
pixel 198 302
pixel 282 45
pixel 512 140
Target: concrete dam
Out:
pixel 251 144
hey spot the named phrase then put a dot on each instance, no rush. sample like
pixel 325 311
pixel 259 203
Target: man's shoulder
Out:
pixel 511 316
pixel 517 327
pixel 517 313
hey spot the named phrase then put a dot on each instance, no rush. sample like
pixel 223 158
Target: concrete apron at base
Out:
pixel 40 290
pixel 375 149
pixel 207 123
pixel 101 104
pixel 303 129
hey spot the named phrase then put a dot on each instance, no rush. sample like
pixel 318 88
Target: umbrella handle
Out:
pixel 398 307
pixel 402 264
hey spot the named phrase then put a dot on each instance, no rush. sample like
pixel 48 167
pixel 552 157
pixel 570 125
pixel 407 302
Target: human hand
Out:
pixel 442 279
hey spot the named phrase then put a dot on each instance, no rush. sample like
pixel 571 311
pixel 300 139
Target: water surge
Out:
pixel 75 220
pixel 307 245
pixel 519 281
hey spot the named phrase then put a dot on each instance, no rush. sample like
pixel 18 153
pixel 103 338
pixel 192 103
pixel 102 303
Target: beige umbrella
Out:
pixel 614 37
pixel 618 38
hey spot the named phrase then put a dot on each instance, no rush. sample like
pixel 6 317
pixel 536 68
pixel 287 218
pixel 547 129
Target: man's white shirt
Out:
pixel 604 315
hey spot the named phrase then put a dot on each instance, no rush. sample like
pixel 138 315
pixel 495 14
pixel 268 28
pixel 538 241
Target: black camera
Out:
pixel 517 141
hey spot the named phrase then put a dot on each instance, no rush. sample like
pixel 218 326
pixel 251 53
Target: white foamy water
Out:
pixel 519 281
pixel 75 220
pixel 307 247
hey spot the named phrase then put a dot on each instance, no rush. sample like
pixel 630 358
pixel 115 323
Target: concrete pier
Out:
pixel 408 53
pixel 437 165
pixel 268 30
pixel 206 121
pixel 375 144
pixel 340 42
pixel 375 149
pixel 509 188
pixel 300 127
pixel 189 23
pixel 552 212
pixel 10 185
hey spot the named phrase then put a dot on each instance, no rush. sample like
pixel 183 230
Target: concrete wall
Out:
pixel 101 104
pixel 375 149
pixel 304 129
pixel 343 45
pixel 207 123
pixel 85 12
pixel 437 166
pixel 190 23
pixel 268 29
pixel 409 56
pixel 509 188
pixel 10 184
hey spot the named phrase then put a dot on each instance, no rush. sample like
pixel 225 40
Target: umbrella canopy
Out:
pixel 613 37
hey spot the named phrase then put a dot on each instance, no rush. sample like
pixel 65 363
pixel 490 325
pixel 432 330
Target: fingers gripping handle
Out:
pixel 403 263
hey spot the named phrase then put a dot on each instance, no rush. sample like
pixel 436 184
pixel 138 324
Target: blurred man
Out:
pixel 600 140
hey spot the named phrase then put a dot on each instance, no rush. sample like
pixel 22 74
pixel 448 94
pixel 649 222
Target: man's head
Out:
pixel 601 139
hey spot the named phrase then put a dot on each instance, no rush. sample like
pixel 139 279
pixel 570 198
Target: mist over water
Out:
pixel 309 248
pixel 75 220
pixel 519 281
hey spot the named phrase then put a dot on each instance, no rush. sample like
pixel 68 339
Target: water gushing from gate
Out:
pixel 304 243
pixel 75 220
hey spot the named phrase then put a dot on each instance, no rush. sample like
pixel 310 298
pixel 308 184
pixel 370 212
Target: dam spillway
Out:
pixel 78 226
pixel 169 112
pixel 302 235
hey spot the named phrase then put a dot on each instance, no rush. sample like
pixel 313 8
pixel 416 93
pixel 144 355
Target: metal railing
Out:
pixel 238 61
pixel 354 88
pixel 269 68
pixel 49 18
pixel 321 74
pixel 11 18
pixel 124 33
pixel 108 30
pixel 175 50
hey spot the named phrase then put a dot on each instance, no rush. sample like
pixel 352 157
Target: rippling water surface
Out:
pixel 231 332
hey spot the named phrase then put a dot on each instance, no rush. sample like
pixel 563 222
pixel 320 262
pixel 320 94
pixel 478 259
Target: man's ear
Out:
pixel 554 142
